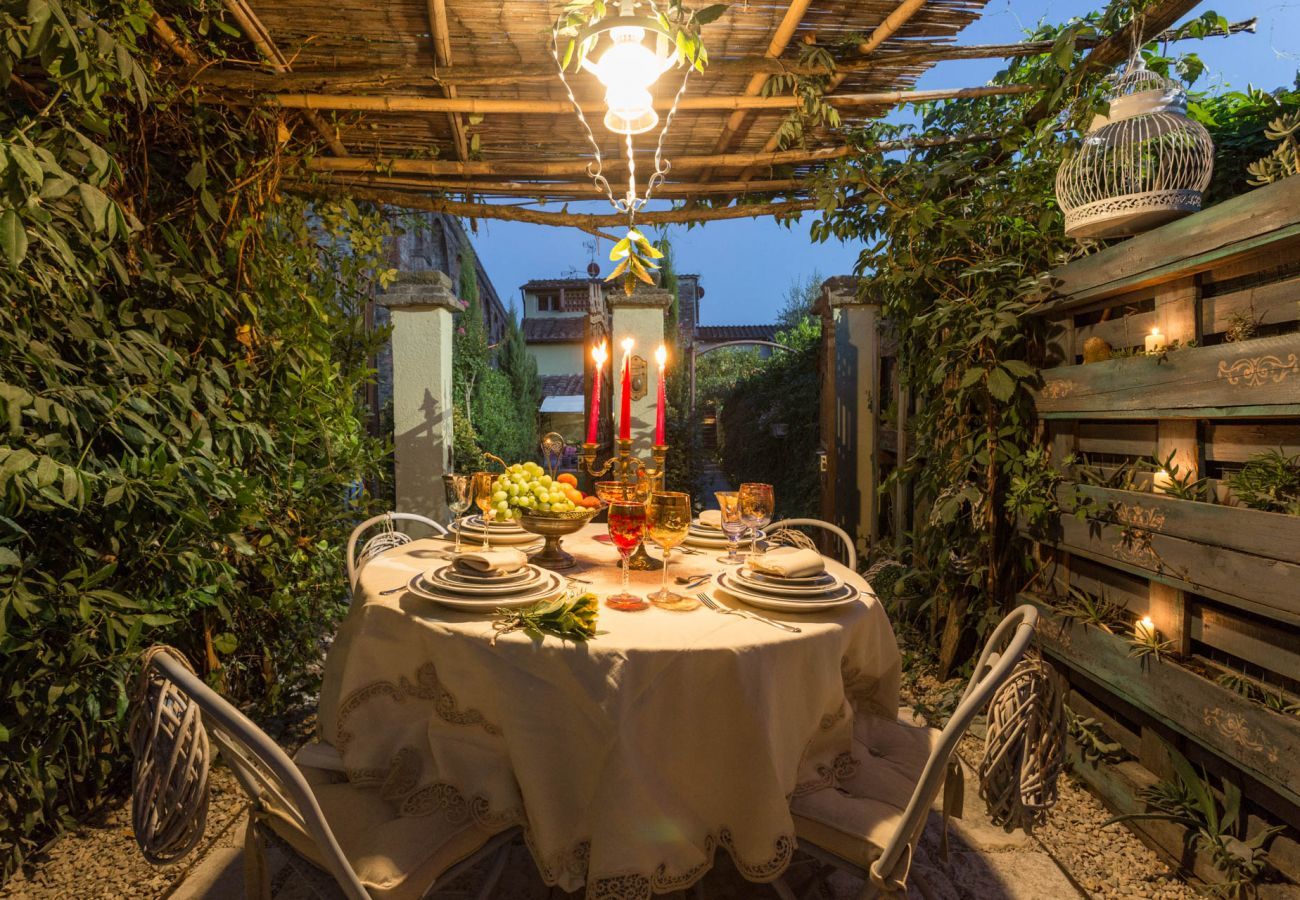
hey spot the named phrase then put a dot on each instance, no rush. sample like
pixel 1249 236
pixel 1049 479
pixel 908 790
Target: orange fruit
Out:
pixel 567 478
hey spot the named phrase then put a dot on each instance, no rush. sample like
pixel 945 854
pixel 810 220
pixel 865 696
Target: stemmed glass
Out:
pixel 482 489
pixel 457 489
pixel 612 491
pixel 668 519
pixel 626 530
pixel 732 526
pixel 756 506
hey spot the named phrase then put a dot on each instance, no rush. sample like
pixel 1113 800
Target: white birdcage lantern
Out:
pixel 1141 165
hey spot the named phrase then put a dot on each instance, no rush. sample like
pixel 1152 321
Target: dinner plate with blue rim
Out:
pixel 841 596
pixel 551 585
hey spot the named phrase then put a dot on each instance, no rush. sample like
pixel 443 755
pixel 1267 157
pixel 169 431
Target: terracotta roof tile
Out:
pixel 542 330
pixel 717 334
pixel 561 385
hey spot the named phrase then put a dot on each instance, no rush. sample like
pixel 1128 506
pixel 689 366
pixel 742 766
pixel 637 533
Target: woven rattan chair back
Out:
pixel 784 532
pixel 171 768
pixel 386 539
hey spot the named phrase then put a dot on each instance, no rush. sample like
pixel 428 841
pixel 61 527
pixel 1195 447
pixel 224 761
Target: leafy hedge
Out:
pixel 180 360
pixel 770 424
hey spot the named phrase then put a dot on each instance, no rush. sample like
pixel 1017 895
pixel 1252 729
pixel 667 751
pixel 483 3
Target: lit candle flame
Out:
pixel 627 345
pixel 598 353
pixel 661 355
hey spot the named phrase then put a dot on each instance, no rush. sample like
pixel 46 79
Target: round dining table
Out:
pixel 628 759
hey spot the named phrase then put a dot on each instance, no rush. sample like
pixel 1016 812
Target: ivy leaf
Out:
pixel 13 237
pixel 710 13
pixel 96 203
pixel 1000 384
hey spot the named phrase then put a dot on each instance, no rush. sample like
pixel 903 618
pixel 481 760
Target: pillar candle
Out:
pixel 593 416
pixel 661 357
pixel 1145 630
pixel 1155 341
pixel 1162 482
pixel 625 398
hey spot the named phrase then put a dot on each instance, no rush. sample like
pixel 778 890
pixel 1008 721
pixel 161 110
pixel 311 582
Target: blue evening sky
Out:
pixel 747 265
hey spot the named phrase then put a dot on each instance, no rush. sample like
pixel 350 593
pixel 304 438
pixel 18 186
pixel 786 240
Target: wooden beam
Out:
pixel 486 106
pixel 569 167
pixel 261 38
pixel 587 222
pixel 442 54
pixel 337 80
pixel 570 189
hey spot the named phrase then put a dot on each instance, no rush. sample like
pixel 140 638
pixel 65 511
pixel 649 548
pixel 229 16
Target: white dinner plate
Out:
pixel 799 579
pixel 438 580
pixel 767 584
pixel 465 576
pixel 716 541
pixel 475 523
pixel 504 538
pixel 552 585
pixel 842 596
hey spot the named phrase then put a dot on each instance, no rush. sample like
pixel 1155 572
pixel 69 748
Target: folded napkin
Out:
pixel 491 562
pixel 710 518
pixel 789 562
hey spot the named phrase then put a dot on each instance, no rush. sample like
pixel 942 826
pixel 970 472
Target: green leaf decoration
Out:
pixel 710 13
pixel 13 237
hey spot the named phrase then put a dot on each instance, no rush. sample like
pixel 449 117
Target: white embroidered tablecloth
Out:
pixel 629 759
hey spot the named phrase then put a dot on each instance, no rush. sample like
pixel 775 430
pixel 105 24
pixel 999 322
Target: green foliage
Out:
pixel 1246 127
pixel 182 353
pixel 1270 482
pixel 800 298
pixel 770 423
pixel 519 368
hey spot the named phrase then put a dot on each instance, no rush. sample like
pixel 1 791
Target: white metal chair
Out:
pixel 386 539
pixel 337 837
pixel 850 552
pixel 869 822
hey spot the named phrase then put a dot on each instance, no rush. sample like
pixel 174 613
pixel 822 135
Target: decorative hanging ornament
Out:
pixel 627 52
pixel 1141 165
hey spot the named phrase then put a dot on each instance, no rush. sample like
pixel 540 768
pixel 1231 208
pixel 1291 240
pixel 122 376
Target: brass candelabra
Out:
pixel 629 470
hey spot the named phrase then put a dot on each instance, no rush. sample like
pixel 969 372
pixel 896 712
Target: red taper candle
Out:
pixel 661 357
pixel 625 401
pixel 598 353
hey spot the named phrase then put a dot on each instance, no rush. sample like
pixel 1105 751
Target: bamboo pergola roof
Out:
pixel 460 101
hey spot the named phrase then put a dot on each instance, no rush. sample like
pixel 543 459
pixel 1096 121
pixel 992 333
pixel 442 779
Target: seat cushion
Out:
pixel 854 817
pixel 395 857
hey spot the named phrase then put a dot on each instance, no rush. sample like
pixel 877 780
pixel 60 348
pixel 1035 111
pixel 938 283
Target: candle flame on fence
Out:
pixel 661 355
pixel 599 353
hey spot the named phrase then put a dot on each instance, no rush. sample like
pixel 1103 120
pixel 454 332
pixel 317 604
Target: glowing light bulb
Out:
pixel 628 69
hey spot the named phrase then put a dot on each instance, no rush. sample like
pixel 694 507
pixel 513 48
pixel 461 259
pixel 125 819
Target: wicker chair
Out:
pixel 850 553
pixel 869 823
pixel 386 539
pixel 336 837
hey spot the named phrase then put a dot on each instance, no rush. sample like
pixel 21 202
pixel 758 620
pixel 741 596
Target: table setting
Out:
pixel 634 720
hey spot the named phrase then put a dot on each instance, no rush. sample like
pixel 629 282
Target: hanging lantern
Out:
pixel 1141 165
pixel 627 51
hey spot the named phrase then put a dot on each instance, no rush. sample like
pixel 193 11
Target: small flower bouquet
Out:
pixel 565 617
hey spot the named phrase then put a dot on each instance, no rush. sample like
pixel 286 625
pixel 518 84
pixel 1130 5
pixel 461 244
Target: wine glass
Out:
pixel 613 491
pixel 756 505
pixel 482 490
pixel 732 526
pixel 668 518
pixel 626 530
pixel 457 489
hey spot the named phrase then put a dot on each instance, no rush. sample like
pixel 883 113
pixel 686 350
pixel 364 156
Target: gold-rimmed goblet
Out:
pixel 481 487
pixel 668 519
pixel 457 490
pixel 627 520
pixel 756 506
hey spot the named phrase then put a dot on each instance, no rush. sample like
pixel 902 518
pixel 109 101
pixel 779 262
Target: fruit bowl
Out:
pixel 553 526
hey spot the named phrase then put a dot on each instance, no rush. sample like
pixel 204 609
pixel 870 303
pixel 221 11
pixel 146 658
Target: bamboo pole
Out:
pixel 584 221
pixel 567 189
pixel 160 27
pixel 261 38
pixel 486 106
pixel 569 167
pixel 334 79
pixel 442 54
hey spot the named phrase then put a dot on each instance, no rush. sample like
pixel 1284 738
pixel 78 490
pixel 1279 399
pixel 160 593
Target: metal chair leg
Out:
pixel 494 873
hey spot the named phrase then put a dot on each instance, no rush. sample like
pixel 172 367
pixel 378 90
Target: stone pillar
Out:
pixel 421 305
pixel 854 368
pixel 640 317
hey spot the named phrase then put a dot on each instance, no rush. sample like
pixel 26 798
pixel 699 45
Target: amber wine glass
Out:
pixel 732 526
pixel 626 531
pixel 482 489
pixel 457 490
pixel 668 519
pixel 756 506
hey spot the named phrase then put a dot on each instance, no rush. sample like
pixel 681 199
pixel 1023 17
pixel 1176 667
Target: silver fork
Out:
pixel 744 614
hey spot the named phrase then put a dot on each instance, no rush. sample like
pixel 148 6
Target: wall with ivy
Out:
pixel 181 357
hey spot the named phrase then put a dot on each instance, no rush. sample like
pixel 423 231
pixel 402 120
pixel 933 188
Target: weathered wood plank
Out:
pixel 1264 644
pixel 1256 378
pixel 1266 304
pixel 1101 580
pixel 1269 587
pixel 1123 332
pixel 1263 744
pixel 1117 438
pixel 1253 531
pixel 1233 442
pixel 1185 247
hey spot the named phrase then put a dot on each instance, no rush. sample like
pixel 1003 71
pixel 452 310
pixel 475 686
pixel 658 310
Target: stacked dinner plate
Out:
pixel 803 594
pixel 712 538
pixel 459 588
pixel 500 533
